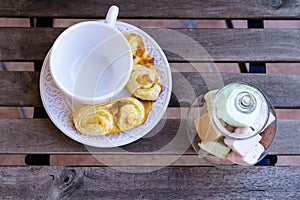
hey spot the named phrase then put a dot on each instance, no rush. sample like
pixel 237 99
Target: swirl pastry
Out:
pixel 111 117
pixel 144 82
pixel 138 48
pixel 128 113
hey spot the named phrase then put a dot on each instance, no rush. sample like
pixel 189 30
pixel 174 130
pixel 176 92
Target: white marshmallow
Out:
pixel 242 147
pixel 244 130
pixel 257 124
pixel 254 154
pixel 250 159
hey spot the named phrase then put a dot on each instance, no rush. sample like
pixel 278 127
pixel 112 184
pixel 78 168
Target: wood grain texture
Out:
pixel 168 137
pixel 21 44
pixel 165 183
pixel 22 88
pixel 228 45
pixel 19 89
pixel 284 93
pixel 218 9
pixel 180 45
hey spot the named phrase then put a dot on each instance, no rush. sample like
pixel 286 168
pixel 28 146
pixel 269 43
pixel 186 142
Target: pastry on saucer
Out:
pixel 111 117
pixel 144 82
pixel 138 47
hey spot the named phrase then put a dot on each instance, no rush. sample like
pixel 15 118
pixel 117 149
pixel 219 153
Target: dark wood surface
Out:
pixel 219 9
pixel 165 183
pixel 168 137
pixel 180 45
pixel 22 88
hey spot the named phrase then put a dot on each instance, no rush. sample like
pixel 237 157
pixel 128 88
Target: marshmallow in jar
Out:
pixel 233 128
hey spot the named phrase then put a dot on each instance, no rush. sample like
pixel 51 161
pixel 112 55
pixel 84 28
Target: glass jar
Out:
pixel 234 125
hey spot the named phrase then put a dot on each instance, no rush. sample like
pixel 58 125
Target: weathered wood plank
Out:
pixel 22 88
pixel 21 44
pixel 180 45
pixel 218 9
pixel 168 137
pixel 228 45
pixel 282 90
pixel 149 183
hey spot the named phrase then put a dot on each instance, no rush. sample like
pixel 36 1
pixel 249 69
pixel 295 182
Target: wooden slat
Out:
pixel 194 45
pixel 282 90
pixel 21 44
pixel 217 9
pixel 166 183
pixel 22 88
pixel 228 45
pixel 168 137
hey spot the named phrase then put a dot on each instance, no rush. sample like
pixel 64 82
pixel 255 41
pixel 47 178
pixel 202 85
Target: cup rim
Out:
pixel 91 99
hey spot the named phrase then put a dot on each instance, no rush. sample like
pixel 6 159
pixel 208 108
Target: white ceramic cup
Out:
pixel 91 61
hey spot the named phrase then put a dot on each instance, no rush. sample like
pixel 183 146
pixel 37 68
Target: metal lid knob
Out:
pixel 245 102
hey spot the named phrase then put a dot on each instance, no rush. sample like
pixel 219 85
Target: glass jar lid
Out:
pixel 239 111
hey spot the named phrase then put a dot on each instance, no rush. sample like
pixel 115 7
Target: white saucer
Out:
pixel 60 111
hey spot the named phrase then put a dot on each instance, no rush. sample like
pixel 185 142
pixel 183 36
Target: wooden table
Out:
pixel 78 175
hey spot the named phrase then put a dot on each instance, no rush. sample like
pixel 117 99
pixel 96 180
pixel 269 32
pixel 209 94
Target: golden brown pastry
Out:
pixel 128 112
pixel 137 46
pixel 94 120
pixel 111 117
pixel 144 82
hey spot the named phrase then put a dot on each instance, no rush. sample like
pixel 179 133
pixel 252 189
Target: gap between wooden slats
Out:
pixel 218 9
pixel 171 113
pixel 128 160
pixel 159 160
pixel 160 23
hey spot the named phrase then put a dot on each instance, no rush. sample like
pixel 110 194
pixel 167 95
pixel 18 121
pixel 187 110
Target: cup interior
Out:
pixel 91 62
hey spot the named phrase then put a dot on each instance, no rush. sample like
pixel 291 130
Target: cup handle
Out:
pixel 112 15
